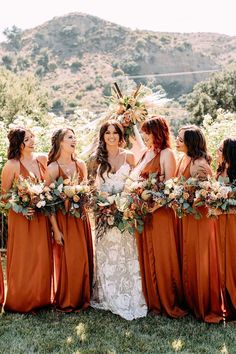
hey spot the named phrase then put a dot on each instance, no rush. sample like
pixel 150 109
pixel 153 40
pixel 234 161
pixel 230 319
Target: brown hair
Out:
pixel 16 138
pixel 57 137
pixel 229 157
pixel 195 142
pixel 102 153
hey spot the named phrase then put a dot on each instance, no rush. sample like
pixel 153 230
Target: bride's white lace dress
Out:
pixel 117 284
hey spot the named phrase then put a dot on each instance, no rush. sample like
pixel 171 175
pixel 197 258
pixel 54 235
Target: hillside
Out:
pixel 77 57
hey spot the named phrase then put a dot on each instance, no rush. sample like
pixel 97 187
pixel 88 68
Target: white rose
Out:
pixel 41 204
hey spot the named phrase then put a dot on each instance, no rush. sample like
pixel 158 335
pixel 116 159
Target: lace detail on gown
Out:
pixel 118 286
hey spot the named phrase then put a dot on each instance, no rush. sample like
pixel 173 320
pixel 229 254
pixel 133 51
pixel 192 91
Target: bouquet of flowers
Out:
pixel 117 210
pixel 219 196
pixel 74 197
pixel 150 191
pixel 129 109
pixel 181 196
pixel 106 213
pixel 27 194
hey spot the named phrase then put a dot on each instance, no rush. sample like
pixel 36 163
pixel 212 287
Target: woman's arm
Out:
pixel 130 158
pixel 168 163
pixel 84 170
pixel 10 171
pixel 52 174
pixel 138 146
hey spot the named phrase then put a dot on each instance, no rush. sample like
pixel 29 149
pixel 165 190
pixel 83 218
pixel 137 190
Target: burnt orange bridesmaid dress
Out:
pixel 158 258
pixel 73 261
pixel 200 271
pixel 29 259
pixel 226 246
pixel 1 285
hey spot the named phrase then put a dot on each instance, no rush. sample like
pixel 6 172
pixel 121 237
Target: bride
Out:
pixel 118 286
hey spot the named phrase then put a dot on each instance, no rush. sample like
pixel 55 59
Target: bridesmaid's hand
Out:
pixel 58 237
pixel 30 212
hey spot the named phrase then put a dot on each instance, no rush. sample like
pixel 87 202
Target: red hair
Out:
pixel 159 128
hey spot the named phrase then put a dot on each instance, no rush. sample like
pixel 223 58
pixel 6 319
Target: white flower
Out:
pixel 121 203
pixel 41 204
pixel 60 187
pixel 36 189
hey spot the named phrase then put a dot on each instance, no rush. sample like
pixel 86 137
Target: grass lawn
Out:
pixel 96 331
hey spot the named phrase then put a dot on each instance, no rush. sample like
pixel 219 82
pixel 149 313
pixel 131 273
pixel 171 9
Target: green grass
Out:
pixel 96 331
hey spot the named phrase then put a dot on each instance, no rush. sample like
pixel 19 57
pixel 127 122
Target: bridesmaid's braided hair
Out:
pixel 56 140
pixel 102 153
pixel 16 138
pixel 229 157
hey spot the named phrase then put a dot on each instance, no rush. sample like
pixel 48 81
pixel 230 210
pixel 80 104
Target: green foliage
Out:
pixel 130 67
pixel 106 90
pixel 75 66
pixel 7 61
pixel 22 64
pixel 57 106
pixel 21 95
pixel 89 87
pixel 52 66
pixel 217 129
pixel 14 38
pixel 209 96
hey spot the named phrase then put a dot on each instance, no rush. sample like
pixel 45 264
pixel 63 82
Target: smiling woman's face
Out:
pixel 111 136
pixel 68 143
pixel 29 142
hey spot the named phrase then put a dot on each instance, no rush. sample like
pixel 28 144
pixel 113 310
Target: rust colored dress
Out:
pixel 226 246
pixel 29 259
pixel 73 261
pixel 1 285
pixel 158 258
pixel 200 272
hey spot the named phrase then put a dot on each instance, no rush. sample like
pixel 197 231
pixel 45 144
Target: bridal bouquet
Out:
pixel 118 210
pixel 74 197
pixel 219 196
pixel 106 213
pixel 129 109
pixel 26 194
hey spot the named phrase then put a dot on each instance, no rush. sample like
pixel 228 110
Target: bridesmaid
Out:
pixel 1 286
pixel 199 255
pixel 226 231
pixel 157 245
pixel 29 256
pixel 73 250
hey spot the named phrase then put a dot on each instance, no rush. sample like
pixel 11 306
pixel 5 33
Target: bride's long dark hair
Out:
pixel 102 153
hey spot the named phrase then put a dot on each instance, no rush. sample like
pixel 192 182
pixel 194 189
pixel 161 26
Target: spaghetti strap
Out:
pixel 125 158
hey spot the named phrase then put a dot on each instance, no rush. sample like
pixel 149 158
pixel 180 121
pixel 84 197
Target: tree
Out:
pixel 209 96
pixel 14 38
pixel 21 95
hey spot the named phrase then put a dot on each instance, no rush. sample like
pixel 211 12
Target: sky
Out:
pixel 155 15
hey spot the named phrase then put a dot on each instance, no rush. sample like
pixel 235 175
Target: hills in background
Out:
pixel 77 57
